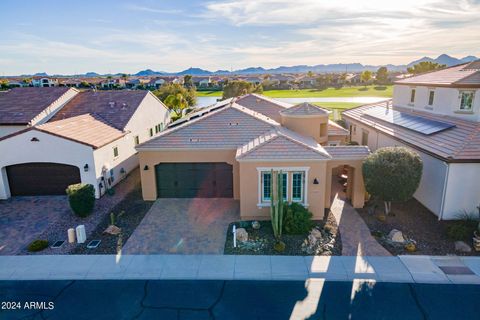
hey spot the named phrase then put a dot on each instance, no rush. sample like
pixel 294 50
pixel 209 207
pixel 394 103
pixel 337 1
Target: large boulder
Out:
pixel 242 235
pixel 396 236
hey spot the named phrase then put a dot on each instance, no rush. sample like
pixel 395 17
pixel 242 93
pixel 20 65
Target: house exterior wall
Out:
pixel 431 188
pixel 152 158
pixel 446 100
pixel 6 130
pixel 250 187
pixel 49 148
pixel 337 139
pixel 149 114
pixel 462 193
pixel 311 126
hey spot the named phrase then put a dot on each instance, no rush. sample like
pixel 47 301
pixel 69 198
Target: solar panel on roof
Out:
pixel 408 121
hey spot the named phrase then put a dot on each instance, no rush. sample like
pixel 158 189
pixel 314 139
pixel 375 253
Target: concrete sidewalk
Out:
pixel 409 269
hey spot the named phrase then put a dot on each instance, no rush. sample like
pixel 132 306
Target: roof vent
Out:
pixel 124 106
pixel 233 124
pixel 112 104
pixel 34 139
pixel 194 140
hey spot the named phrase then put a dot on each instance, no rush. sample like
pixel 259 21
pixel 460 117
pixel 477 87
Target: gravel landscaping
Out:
pixel 417 224
pixel 261 241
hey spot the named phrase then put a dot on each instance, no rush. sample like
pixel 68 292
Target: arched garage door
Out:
pixel 194 180
pixel 30 179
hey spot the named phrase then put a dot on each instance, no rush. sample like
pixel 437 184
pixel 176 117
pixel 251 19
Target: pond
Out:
pixel 206 101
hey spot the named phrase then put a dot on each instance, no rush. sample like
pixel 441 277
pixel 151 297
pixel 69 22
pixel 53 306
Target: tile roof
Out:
pixel 334 129
pixel 263 105
pixel 89 129
pixel 347 152
pixel 225 128
pixel 115 107
pixel 281 144
pixel 21 105
pixel 458 144
pixel 464 75
pixel 305 109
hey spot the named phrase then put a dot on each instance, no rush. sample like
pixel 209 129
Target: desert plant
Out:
pixel 112 218
pixel 276 204
pixel 392 174
pixel 81 198
pixel 298 220
pixel 38 245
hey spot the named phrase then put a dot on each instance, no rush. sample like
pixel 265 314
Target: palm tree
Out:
pixel 176 103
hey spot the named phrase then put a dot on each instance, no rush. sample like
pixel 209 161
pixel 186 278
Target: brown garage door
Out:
pixel 29 179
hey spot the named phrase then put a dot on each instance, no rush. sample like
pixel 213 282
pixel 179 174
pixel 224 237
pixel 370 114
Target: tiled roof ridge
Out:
pixel 304 104
pixel 254 114
pixel 467 77
pixel 290 135
pixel 271 100
pixel 436 70
pixel 474 134
pixel 268 137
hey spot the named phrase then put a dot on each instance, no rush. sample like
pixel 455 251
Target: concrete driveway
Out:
pixel 184 226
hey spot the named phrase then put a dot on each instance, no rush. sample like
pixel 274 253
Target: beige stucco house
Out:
pixel 54 137
pixel 438 115
pixel 229 150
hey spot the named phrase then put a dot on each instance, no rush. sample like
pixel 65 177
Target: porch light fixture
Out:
pixel 34 139
pixel 145 168
pixel 122 171
pixel 85 167
pixel 315 181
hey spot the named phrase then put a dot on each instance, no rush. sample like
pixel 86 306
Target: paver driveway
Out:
pixel 22 219
pixel 184 226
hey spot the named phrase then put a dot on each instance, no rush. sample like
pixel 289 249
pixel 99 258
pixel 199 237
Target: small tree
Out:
pixel 392 174
pixel 425 66
pixel 382 76
pixel 163 92
pixel 366 76
pixel 237 88
pixel 176 103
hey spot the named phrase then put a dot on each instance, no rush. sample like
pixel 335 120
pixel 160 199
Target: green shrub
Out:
pixel 297 219
pixel 462 229
pixel 81 198
pixel 38 245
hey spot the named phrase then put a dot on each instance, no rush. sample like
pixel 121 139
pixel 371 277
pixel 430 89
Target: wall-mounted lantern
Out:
pixel 34 139
pixel 85 167
pixel 315 181
pixel 122 171
pixel 145 168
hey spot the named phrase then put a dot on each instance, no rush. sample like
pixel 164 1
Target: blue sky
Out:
pixel 127 36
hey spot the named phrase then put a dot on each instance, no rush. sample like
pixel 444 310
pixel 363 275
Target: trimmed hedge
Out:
pixel 38 245
pixel 81 198
pixel 297 220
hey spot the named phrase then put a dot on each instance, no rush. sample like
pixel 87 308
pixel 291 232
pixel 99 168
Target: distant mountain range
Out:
pixel 338 67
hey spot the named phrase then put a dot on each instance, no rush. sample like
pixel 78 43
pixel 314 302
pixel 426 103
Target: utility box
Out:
pixel 81 234
pixel 71 235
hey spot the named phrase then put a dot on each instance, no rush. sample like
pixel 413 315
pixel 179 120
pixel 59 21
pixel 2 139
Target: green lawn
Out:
pixel 340 106
pixel 360 91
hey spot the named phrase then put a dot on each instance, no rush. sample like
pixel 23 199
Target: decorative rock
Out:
pixel 312 240
pixel 242 235
pixel 113 230
pixel 381 217
pixel 461 246
pixel 316 233
pixel 411 247
pixel 396 236
pixel 255 225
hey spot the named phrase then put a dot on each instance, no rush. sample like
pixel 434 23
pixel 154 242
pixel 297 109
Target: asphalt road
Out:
pixel 151 299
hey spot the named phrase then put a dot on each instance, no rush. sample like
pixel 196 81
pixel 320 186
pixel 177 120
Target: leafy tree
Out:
pixel 124 76
pixel 425 66
pixel 176 102
pixel 392 174
pixel 237 88
pixel 4 84
pixel 187 81
pixel 84 84
pixel 366 76
pixel 164 91
pixel 382 75
pixel 310 74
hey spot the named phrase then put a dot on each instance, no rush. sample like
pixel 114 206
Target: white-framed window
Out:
pixel 266 187
pixel 150 132
pixel 431 97
pixel 466 100
pixel 115 152
pixel 136 140
pixel 298 186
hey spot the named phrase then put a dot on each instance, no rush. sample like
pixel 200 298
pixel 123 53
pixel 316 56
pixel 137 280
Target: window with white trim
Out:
pixel 266 187
pixel 298 186
pixel 466 100
pixel 431 97
pixel 412 96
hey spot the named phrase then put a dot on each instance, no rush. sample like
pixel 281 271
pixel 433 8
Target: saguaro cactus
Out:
pixel 276 203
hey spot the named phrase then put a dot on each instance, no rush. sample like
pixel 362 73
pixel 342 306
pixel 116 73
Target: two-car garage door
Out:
pixel 194 180
pixel 30 179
